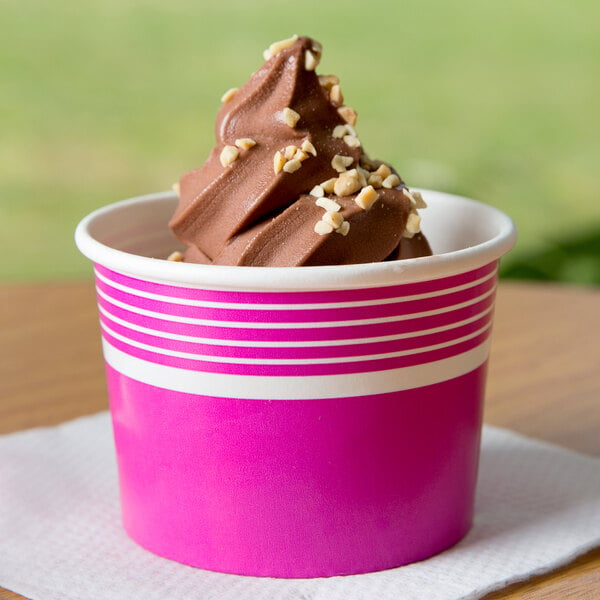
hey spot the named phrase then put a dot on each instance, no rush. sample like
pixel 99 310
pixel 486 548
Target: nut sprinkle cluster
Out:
pixel 361 180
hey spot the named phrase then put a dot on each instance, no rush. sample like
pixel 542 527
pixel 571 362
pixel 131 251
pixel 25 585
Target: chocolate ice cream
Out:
pixel 289 183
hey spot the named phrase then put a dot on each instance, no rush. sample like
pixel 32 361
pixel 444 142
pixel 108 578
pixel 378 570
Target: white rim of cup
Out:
pixel 295 278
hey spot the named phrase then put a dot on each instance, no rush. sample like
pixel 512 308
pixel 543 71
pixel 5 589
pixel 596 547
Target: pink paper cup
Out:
pixel 296 422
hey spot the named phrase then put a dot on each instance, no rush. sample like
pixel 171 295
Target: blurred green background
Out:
pixel 103 100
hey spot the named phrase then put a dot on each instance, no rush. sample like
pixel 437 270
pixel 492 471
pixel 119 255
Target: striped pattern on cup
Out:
pixel 187 333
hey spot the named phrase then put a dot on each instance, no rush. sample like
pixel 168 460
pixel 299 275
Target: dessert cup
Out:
pixel 303 421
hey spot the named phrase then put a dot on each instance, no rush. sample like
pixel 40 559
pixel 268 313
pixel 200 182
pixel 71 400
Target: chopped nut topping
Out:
pixel 334 219
pixel 328 204
pixel 245 143
pixel 347 183
pixel 383 170
pixel 362 176
pixel 300 155
pixel 344 228
pixel 175 256
pixel 339 131
pixel 335 95
pixel 418 199
pixel 328 185
pixel 366 197
pixel 175 187
pixel 277 47
pixel 352 141
pixel 229 94
pixel 323 228
pixel 328 81
pixel 291 166
pixel 375 180
pixel 289 152
pixel 340 163
pixel 308 147
pixel 278 162
pixel 310 61
pixel 391 181
pixel 348 114
pixel 351 130
pixel 290 116
pixel 317 192
pixel 229 155
pixel 413 224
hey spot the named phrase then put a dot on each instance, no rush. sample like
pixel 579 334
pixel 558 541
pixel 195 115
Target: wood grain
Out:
pixel 544 380
pixel 51 368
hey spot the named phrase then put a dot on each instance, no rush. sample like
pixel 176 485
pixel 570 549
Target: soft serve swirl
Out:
pixel 288 182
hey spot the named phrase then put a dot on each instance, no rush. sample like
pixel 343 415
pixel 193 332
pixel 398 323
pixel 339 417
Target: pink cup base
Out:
pixel 297 488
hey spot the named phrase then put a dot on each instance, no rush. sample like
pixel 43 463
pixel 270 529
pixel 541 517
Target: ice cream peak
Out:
pixel 288 182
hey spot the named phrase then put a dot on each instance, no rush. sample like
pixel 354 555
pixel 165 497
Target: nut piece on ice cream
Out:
pixel 288 182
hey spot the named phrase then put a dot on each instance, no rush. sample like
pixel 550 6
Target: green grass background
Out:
pixel 103 100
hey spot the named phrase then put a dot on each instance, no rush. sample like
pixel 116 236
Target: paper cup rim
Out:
pixel 275 278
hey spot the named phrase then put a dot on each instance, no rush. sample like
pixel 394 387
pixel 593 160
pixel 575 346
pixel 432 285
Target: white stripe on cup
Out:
pixel 294 388
pixel 290 361
pixel 293 325
pixel 247 306
pixel 297 344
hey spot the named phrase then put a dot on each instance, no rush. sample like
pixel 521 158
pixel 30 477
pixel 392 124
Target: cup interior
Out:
pixel 139 227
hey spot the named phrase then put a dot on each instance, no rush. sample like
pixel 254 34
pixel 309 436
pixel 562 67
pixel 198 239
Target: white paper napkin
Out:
pixel 538 506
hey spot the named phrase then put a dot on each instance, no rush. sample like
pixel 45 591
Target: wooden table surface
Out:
pixel 544 379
